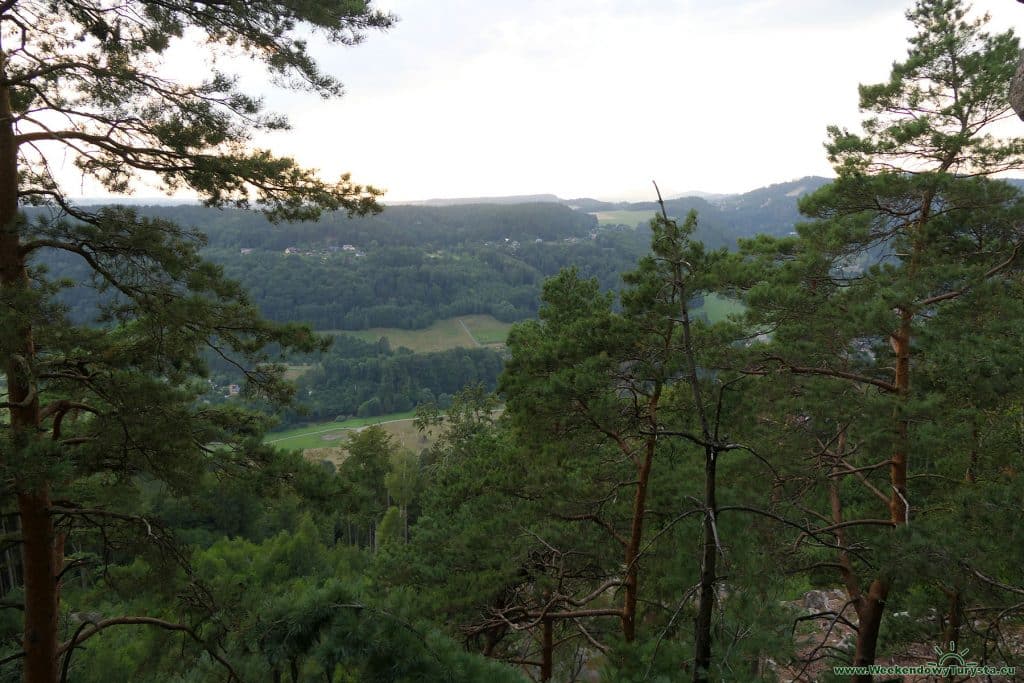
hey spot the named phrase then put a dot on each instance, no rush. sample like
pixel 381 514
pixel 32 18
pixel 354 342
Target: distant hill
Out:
pixel 137 201
pixel 442 223
pixel 761 196
pixel 589 204
pixel 420 227
pixel 513 199
pixel 710 196
pixel 410 266
pixel 723 219
pixel 771 209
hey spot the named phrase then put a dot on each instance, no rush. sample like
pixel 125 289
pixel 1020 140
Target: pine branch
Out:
pixel 994 270
pixel 829 372
pixel 85 634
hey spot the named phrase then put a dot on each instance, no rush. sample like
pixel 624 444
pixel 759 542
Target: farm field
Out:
pixel 463 331
pixel 403 432
pixel 324 434
pixel 486 329
pixel 628 217
pixel 719 307
pixel 323 440
pixel 296 371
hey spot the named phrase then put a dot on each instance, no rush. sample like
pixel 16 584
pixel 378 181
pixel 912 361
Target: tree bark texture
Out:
pixel 38 552
pixel 631 580
pixel 702 630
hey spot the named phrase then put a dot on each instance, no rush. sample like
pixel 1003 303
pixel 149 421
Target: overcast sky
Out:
pixel 596 97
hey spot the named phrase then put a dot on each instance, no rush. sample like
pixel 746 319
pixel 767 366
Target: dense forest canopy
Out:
pixel 357 378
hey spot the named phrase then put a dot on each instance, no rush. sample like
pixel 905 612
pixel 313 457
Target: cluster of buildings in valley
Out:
pixel 512 244
pixel 322 252
pixel 353 250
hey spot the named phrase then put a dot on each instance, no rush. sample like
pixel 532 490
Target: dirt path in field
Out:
pixel 463 323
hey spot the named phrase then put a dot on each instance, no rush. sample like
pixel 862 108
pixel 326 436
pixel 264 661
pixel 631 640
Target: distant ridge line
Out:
pixel 457 201
pixel 581 203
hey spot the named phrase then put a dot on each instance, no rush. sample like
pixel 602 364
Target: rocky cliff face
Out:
pixel 1017 88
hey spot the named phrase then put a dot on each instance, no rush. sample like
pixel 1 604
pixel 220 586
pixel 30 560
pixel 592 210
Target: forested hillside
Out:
pixel 355 378
pixel 410 266
pixel 771 210
pixel 406 267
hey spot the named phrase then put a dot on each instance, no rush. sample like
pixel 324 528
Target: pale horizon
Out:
pixel 584 98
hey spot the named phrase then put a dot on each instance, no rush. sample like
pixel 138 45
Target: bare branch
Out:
pixel 994 270
pixel 829 372
pixel 992 582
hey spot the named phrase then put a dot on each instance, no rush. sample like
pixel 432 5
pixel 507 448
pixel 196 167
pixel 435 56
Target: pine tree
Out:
pixel 87 410
pixel 913 228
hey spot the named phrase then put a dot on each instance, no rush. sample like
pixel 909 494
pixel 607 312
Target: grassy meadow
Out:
pixel 325 434
pixel 403 432
pixel 326 440
pixel 296 371
pixel 718 307
pixel 630 217
pixel 463 331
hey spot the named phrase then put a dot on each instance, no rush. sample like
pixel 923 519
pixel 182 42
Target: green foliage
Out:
pixel 92 415
pixel 403 480
pixel 406 268
pixel 391 528
pixel 889 323
pixel 535 508
pixel 296 609
pixel 367 381
pixel 370 451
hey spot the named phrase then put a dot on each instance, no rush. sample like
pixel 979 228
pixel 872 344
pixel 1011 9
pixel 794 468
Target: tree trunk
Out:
pixel 899 505
pixel 869 612
pixel 38 559
pixel 870 607
pixel 41 595
pixel 11 524
pixel 954 618
pixel 631 583
pixel 547 651
pixel 702 628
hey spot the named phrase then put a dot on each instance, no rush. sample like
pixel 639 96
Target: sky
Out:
pixel 591 98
